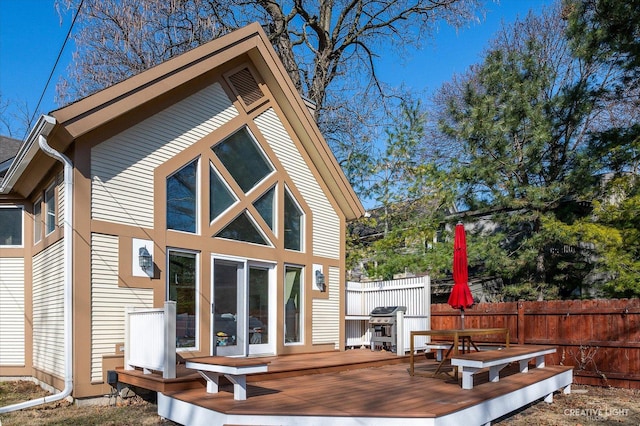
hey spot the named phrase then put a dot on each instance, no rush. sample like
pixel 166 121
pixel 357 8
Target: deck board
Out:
pixel 351 387
pixel 372 392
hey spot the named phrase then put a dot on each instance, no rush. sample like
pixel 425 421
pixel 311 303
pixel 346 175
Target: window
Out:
pixel 220 197
pixel 265 206
pixel 292 304
pixel 243 228
pixel 243 159
pixel 181 199
pixel 50 210
pixel 292 223
pixel 182 289
pixel 11 226
pixel 258 305
pixel 37 220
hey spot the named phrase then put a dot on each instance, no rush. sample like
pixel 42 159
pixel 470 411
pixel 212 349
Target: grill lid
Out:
pixel 384 311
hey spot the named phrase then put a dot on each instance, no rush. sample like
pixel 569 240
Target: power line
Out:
pixel 55 65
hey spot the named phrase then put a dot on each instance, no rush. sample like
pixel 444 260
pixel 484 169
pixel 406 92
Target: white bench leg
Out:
pixel 439 354
pixel 524 365
pixel 540 361
pixel 212 380
pixel 467 377
pixel 239 386
pixel 549 398
pixel 567 390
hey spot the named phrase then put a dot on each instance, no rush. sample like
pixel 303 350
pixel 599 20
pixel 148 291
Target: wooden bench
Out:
pixel 496 360
pixel 234 369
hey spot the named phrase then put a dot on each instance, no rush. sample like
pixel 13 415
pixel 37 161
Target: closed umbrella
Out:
pixel 460 297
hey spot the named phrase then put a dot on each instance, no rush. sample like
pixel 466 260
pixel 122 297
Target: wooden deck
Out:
pixel 359 387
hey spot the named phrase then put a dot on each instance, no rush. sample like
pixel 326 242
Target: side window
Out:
pixel 292 223
pixel 182 205
pixel 37 220
pixel 293 298
pixel 11 226
pixel 50 209
pixel 182 288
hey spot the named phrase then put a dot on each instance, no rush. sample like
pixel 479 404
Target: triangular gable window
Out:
pixel 220 197
pixel 242 228
pixel 265 206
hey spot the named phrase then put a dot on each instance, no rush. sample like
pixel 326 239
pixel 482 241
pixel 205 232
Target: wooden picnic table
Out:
pixel 458 336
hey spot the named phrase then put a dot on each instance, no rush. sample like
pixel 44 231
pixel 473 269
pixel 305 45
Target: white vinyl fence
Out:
pixel 150 339
pixel 363 297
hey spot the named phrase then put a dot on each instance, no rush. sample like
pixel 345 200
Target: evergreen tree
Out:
pixel 520 120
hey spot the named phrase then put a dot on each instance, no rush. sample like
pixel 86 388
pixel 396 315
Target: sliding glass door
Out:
pixel 242 311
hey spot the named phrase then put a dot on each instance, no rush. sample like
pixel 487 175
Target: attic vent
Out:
pixel 246 86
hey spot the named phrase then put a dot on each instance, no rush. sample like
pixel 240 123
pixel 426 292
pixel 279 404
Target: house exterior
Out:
pixel 203 180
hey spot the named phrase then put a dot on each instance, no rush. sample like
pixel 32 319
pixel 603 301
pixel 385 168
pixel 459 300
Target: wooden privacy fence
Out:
pixel 599 338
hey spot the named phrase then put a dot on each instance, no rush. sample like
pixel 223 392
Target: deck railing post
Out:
pixel 169 370
pixel 127 338
pixel 400 332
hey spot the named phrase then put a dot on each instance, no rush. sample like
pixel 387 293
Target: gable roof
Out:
pixel 8 150
pixel 109 111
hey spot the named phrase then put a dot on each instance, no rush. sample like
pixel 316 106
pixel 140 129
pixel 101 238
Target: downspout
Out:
pixel 68 280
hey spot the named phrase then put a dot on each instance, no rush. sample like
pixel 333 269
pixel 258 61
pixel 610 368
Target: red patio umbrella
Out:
pixel 460 297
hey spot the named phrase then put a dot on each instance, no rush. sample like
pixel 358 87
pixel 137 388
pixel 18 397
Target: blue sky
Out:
pixel 32 34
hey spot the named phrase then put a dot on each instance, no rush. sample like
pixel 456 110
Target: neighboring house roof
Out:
pixel 8 150
pixel 110 111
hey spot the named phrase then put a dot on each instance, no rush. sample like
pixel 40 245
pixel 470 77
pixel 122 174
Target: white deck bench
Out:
pixel 496 360
pixel 234 369
pixel 441 347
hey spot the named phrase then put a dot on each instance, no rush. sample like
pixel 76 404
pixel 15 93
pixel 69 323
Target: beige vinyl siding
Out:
pixel 12 345
pixel 122 167
pixel 326 223
pixel 108 301
pixel 48 310
pixel 326 312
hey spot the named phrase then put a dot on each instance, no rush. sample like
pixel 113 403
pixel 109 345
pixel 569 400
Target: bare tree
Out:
pixel 15 118
pixel 330 48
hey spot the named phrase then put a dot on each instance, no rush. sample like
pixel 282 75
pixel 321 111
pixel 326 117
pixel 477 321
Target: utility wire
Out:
pixel 55 65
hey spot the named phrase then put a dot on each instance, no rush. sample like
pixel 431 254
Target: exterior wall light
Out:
pixel 320 280
pixel 145 259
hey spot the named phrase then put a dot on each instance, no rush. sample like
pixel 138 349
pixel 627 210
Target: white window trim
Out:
pixel 51 189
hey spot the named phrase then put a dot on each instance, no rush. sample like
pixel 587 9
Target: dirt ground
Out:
pixel 585 406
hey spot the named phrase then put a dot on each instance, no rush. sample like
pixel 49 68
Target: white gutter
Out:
pixel 42 132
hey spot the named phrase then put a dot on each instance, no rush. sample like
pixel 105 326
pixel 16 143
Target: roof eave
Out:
pixel 27 151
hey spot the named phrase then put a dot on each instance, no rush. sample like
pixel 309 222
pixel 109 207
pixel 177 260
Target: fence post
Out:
pixel 520 323
pixel 169 370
